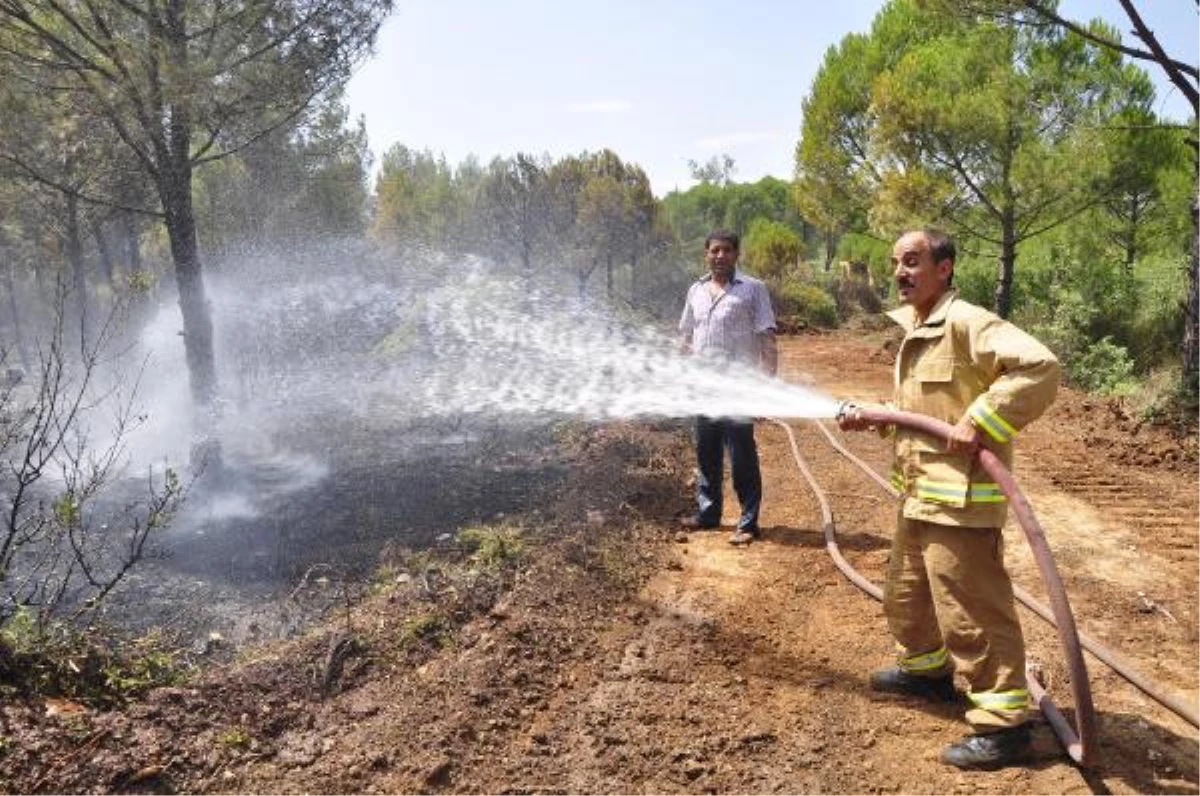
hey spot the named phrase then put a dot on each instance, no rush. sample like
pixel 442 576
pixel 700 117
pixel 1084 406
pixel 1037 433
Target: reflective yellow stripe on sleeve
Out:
pixel 986 417
pixel 1016 699
pixel 926 661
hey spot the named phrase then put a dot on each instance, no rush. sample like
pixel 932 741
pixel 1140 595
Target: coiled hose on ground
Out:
pixel 1079 745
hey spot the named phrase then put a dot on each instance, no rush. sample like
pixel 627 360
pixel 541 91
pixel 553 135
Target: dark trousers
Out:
pixel 713 435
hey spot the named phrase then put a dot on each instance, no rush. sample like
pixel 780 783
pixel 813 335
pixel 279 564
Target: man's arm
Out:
pixel 1027 380
pixel 768 352
pixel 764 318
pixel 687 323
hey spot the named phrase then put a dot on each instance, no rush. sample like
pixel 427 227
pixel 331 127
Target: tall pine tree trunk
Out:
pixel 1008 265
pixel 175 190
pixel 197 322
pixel 14 307
pixel 76 264
pixel 104 250
pixel 1191 324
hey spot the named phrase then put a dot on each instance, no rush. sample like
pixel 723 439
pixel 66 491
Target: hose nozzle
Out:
pixel 845 408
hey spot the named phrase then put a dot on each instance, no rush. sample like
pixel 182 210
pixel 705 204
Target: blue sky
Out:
pixel 660 82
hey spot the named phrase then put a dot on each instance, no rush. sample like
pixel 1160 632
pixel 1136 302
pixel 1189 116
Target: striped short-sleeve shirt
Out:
pixel 726 326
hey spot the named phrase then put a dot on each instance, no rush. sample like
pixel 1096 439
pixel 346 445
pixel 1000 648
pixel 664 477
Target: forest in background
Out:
pixel 1036 146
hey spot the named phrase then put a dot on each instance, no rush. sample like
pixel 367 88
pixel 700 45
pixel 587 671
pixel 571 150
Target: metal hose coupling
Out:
pixel 845 408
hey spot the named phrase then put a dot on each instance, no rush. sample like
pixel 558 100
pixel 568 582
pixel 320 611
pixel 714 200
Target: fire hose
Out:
pixel 1078 744
pixel 1117 662
pixel 1081 744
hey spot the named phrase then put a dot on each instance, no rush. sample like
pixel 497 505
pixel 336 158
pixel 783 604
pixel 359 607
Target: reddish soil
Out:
pixel 610 657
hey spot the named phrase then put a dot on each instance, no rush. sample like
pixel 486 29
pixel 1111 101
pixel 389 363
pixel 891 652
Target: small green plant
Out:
pixel 619 564
pixel 20 632
pixel 493 547
pixel 236 737
pixel 417 561
pixel 147 663
pixel 427 628
pixel 66 510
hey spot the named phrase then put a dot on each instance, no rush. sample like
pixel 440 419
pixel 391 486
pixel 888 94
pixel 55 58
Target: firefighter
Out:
pixel 948 599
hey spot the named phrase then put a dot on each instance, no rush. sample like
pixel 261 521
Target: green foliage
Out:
pixel 854 295
pixel 432 629
pixel 874 251
pixel 147 662
pixel 20 633
pixel 838 165
pixel 808 302
pixel 718 170
pixel 1157 326
pixel 1001 132
pixel 303 179
pixel 53 659
pixel 975 280
pixel 66 510
pixel 416 198
pixel 771 249
pixel 493 547
pixel 694 213
pixel 1162 398
pixel 1102 367
pixel 236 737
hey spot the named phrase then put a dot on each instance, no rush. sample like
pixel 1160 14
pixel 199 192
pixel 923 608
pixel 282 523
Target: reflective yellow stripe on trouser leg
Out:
pixel 926 662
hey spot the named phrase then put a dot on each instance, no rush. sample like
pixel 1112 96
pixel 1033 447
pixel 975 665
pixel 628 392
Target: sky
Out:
pixel 659 82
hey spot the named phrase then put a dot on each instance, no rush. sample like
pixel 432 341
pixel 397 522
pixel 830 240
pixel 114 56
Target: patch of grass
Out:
pixel 431 629
pixel 619 564
pixel 147 663
pixel 236 737
pixel 493 547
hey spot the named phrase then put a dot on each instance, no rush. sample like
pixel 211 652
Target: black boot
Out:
pixel 897 681
pixel 993 750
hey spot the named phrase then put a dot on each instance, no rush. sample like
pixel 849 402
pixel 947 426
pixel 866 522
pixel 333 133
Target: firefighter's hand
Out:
pixel 964 438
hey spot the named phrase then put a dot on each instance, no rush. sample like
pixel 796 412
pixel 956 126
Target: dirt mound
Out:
pixel 1114 431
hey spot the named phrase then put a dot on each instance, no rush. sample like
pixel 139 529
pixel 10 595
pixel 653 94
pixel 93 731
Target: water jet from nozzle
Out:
pixel 494 354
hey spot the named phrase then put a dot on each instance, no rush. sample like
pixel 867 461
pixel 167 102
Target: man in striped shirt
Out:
pixel 728 316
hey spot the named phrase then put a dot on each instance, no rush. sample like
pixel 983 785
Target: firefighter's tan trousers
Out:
pixel 947 591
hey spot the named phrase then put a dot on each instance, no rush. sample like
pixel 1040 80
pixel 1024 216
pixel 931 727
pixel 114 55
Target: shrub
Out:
pixel 809 302
pixel 1103 367
pixel 55 659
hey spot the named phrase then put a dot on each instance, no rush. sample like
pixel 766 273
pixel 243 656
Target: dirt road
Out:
pixel 623 661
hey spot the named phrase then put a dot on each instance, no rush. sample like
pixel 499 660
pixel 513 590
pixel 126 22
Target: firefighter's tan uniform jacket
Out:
pixel 964 360
pixel 948 598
